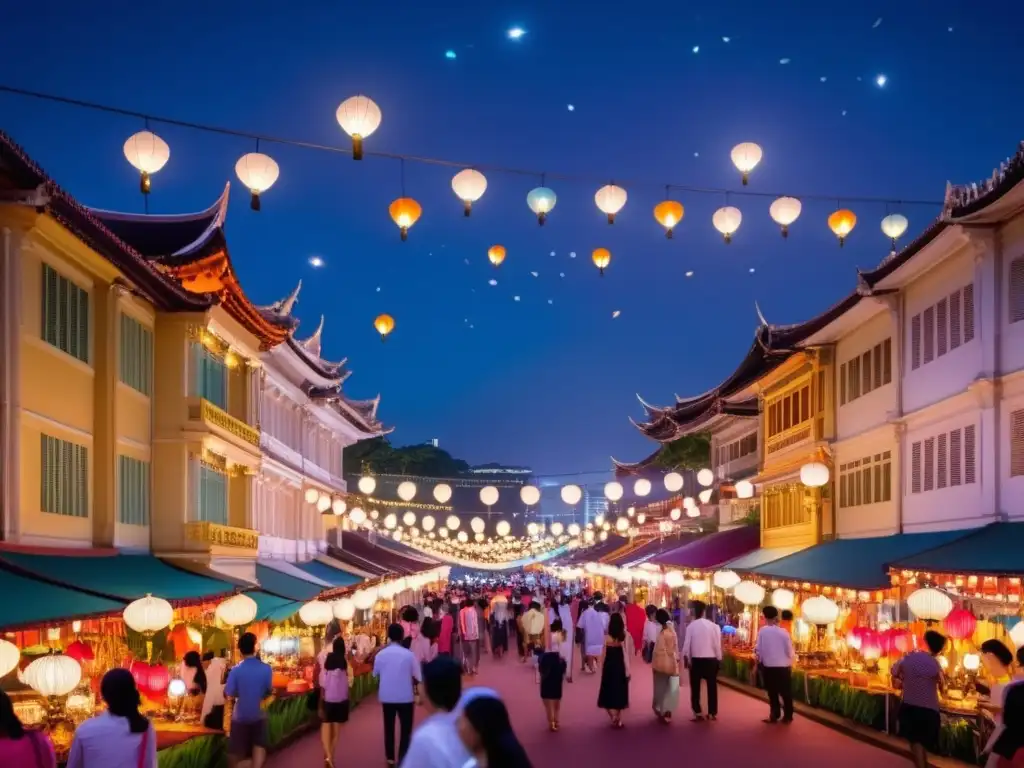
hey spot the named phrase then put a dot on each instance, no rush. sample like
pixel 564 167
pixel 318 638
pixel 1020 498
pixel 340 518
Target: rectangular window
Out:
pixel 132 491
pixel 64 475
pixel 65 314
pixel 805 404
pixel 968 312
pixel 887 361
pixel 210 376
pixel 821 391
pixel 136 354
pixel 877 477
pixel 955 454
pixel 929 335
pixel 969 447
pixel 1015 293
pixel 954 320
pixel 941 327
pixel 941 470
pixel 842 384
pixel 929 464
pixel 865 364
pixel 1017 440
pixel 842 485
pixel 915 342
pixel 877 366
pixel 212 504
pixel 855 378
pixel 915 468
pixel 887 476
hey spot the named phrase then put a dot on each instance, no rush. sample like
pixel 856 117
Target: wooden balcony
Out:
pixel 803 432
pixel 222 539
pixel 202 410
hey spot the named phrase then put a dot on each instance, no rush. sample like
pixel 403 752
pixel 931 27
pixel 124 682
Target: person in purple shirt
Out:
pixel 919 675
pixel 249 683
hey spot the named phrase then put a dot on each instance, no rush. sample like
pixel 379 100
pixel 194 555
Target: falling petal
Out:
pixel 844 113
pixel 615 314
pixel 552 253
pixel 316 261
pixel 535 274
pixel 551 301
pixel 378 289
pixel 751 270
pixel 783 61
pixel 725 39
pixel 492 281
pixel 881 80
pixel 696 154
pixel 561 274
pixel 690 273
pixel 696 49
pixel 823 78
pixel 515 298
pixel 571 107
pixel 572 254
pixel 877 24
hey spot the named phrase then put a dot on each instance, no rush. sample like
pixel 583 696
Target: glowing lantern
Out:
pixel 532 529
pixel 147 153
pixel 601 257
pixel 406 490
pixel 557 529
pixel 783 599
pixel 237 611
pixel 571 494
pixel 929 604
pixel 344 609
pixel 574 529
pixel 477 524
pixel 842 223
pixel 452 522
pixel 529 495
pixel 749 593
pixel 675 579
pixel 311 495
pixel 357 516
pixel 819 610
pixel 668 213
pixel 463 537
pixel 744 489
pixel 390 522
pixel 784 211
pixel 613 491
pixel 316 613
pixel 384 324
pixel 323 503
pixel 368 484
pixel 359 117
pixel 692 512
pixel 675 513
pixel 489 495
pixel 893 227
pixel 338 506
pixel 642 487
pixel 706 477
pixel 971 662
pixel 405 212
pixel 814 474
pixel 622 524
pixel 588 536
pixel 363 599
pixel 257 172
pixel 745 157
pixel 469 186
pixel 442 493
pixel 503 528
pixel 727 221
pixel 673 482
pixel 641 519
pixel 541 201
pixel 409 519
pixel 496 254
pixel 960 624
pixel 148 614
pixel 705 495
pixel 79 651
pixel 725 579
pixel 697 587
pixel 429 523
pixel 10 655
pixel 610 199
pixel 1016 635
pixel 53 675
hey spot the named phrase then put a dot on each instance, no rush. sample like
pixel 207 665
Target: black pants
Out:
pixel 778 682
pixel 706 670
pixel 404 714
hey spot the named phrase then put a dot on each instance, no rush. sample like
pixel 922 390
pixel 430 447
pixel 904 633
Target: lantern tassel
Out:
pixel 254 200
pixel 611 218
pixel 405 234
pixel 728 239
pixel 145 184
pixel 668 233
pixel 785 231
pixel 746 179
pixel 541 218
pixel 357 147
pixel 467 207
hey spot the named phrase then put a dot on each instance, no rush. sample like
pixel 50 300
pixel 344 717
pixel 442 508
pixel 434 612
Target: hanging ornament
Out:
pixel 706 477
pixel 571 494
pixel 257 172
pixel 406 490
pixel 367 483
pixel 541 201
pixel 442 493
pixel 469 185
pixel 613 491
pixel 489 495
pixel 842 223
pixel 673 482
pixel 745 157
pixel 503 528
pixel 147 153
pixel 668 213
pixel 405 212
pixel 529 495
pixel 893 226
pixel 744 489
pixel 601 257
pixel 384 324
pixel 496 254
pixel 642 487
pixel 814 474
pixel 784 211
pixel 610 199
pixel 428 522
pixel 727 220
pixel 359 117
pixel 452 522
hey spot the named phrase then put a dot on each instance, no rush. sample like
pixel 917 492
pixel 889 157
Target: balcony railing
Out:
pixel 789 437
pixel 214 534
pixel 734 511
pixel 203 410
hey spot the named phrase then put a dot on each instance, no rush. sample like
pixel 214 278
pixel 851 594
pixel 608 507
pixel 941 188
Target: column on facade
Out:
pixel 10 383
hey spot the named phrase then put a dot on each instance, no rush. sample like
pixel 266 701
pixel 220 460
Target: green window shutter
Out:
pixel 65 315
pixel 133 491
pixel 209 376
pixel 136 355
pixel 64 477
pixel 213 495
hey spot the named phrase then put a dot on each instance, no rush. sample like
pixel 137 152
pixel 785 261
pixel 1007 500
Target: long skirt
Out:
pixel 666 693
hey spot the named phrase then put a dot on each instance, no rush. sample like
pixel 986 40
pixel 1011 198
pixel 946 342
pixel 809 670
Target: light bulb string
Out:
pixel 344 150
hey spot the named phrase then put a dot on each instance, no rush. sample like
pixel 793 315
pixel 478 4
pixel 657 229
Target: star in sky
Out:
pixel 516 33
pixel 316 262
pixel 881 80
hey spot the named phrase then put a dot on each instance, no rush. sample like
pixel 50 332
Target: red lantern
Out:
pixel 80 652
pixel 900 641
pixel 870 644
pixel 960 624
pixel 159 679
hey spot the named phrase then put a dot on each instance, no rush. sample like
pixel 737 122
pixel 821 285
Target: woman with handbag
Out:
pixel 665 662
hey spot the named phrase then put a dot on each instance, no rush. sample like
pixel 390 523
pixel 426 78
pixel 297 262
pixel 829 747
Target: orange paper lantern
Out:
pixel 601 257
pixel 842 223
pixel 384 324
pixel 496 254
pixel 668 213
pixel 405 212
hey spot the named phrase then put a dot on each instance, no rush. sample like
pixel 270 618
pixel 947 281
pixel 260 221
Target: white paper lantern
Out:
pixel 148 614
pixel 391 522
pixel 726 579
pixel 10 655
pixel 819 610
pixel 529 495
pixel 338 506
pixel 323 503
pixel 622 524
pixel 784 211
pixel 706 477
pixel 442 493
pixel 697 587
pixel 705 495
pixel 503 528
pixel 257 172
pixel 489 495
pixel 744 489
pixel 673 482
pixel 409 518
pixel 344 609
pixel 609 200
pixel 469 185
pixel 54 675
pixel 675 579
pixel 311 495
pixel 727 220
pixel 783 599
pixel 406 490
pixel 147 153
pixel 478 537
pixel 689 503
pixel 367 484
pixel 894 225
pixel 929 604
pixel 692 512
pixel 237 611
pixel 557 529
pixel 588 536
pixel 477 525
pixel 532 529
pixel 749 593
pixel 971 662
pixel 574 529
pixel 675 513
pixel 613 491
pixel 571 494
pixel 1016 635
pixel 316 613
pixel 814 474
pixel 463 537
pixel 357 515
pixel 453 522
pixel 176 688
pixel 428 523
pixel 642 487
pixel 364 599
pixel 359 116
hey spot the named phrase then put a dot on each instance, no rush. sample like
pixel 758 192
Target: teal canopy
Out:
pixel 996 549
pixel 126 577
pixel 283 585
pixel 334 576
pixel 30 602
pixel 271 607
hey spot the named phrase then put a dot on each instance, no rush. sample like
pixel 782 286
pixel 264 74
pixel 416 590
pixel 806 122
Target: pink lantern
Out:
pixel 870 644
pixel 960 624
pixel 900 641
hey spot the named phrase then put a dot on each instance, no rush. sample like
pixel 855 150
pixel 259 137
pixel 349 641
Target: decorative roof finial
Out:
pixel 760 316
pixel 312 344
pixel 283 307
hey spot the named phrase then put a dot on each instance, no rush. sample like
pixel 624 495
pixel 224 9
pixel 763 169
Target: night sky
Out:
pixel 548 380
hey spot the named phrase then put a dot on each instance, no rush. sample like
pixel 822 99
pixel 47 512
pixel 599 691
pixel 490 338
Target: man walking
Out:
pixel 920 677
pixel 774 651
pixel 399 674
pixel 469 636
pixel 249 683
pixel 702 655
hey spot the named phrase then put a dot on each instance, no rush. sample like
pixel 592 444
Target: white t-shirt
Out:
pixel 396 668
pixel 436 744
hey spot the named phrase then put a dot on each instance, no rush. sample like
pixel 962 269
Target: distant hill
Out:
pixel 377 455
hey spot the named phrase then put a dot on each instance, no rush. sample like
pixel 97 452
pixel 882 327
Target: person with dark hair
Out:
pixel 650 634
pixel 333 684
pixel 436 743
pixel 215 670
pixel 534 624
pixel 446 629
pixel 499 628
pixel 613 695
pixel 919 675
pixel 486 731
pixel 19 745
pixel 424 645
pixel 775 657
pixel 702 655
pixel 552 667
pixel 249 683
pixel 410 625
pixel 665 663
pixel 193 674
pixel 399 673
pixel 469 636
pixel 520 630
pixel 1009 746
pixel 998 663
pixel 483 614
pixel 120 737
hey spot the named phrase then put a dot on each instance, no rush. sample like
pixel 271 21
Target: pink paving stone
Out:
pixel 585 740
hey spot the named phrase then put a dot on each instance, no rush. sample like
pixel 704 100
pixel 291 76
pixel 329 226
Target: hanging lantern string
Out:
pixel 95 106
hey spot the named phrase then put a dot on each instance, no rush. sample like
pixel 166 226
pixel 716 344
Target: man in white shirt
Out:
pixel 702 655
pixel 774 650
pixel 436 743
pixel 399 674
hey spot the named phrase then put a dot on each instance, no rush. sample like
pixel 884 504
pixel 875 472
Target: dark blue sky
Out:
pixel 549 385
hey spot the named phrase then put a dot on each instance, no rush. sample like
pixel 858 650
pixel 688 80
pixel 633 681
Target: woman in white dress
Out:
pixel 565 615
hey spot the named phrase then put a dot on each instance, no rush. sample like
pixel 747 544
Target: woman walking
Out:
pixel 613 695
pixel 665 661
pixel 499 629
pixel 333 698
pixel 552 667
